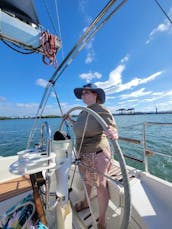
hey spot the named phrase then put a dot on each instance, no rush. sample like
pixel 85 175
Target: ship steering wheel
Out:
pixel 121 160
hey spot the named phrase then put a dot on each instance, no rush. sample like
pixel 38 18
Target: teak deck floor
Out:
pixel 22 184
pixel 14 187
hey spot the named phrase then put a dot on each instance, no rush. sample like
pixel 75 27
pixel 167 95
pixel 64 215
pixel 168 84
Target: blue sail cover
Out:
pixel 22 9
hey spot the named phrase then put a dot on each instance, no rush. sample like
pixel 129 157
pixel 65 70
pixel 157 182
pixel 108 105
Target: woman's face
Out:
pixel 89 97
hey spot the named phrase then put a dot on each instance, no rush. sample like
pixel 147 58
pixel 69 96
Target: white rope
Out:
pixel 50 17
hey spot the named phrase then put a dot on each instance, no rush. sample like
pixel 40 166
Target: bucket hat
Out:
pixel 92 87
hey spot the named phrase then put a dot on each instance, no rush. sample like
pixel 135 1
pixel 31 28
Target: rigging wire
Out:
pixel 58 101
pixel 17 46
pixel 80 44
pixel 16 50
pixel 38 116
pixel 89 33
pixel 59 27
pixel 170 20
pixel 50 17
pixel 83 41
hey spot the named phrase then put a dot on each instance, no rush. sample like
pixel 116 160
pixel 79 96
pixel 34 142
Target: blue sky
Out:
pixel 130 58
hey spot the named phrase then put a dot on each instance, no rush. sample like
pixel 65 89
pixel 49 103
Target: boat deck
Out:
pixel 13 187
pixel 151 211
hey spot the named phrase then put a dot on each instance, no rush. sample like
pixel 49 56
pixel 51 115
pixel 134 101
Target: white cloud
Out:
pixel 90 53
pixel 154 97
pixel 18 109
pixel 125 59
pixel 41 82
pixel 30 109
pixel 26 108
pixel 164 105
pixel 27 105
pixel 110 97
pixel 136 94
pixel 150 99
pixel 159 95
pixel 163 27
pixel 82 6
pixel 137 81
pixel 114 79
pixel 90 75
pixel 2 99
pixel 114 83
pixel 90 56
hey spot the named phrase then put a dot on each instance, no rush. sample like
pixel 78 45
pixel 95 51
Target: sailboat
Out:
pixel 41 184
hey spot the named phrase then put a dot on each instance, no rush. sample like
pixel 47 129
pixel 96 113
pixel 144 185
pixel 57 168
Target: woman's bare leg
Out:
pixel 102 166
pixel 103 199
pixel 84 203
pixel 89 188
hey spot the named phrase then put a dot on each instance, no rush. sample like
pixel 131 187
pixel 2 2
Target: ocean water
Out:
pixel 14 136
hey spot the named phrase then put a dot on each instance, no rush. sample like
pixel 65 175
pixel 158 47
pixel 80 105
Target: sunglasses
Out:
pixel 86 93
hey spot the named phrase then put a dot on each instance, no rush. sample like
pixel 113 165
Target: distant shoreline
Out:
pixel 144 113
pixel 114 114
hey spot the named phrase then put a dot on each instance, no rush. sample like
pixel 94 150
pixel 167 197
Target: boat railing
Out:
pixel 147 152
pixel 48 137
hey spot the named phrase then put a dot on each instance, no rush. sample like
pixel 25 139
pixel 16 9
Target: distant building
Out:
pixel 126 111
pixel 156 109
pixel 131 111
pixel 121 111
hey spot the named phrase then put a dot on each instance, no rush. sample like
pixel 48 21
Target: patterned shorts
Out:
pixel 93 165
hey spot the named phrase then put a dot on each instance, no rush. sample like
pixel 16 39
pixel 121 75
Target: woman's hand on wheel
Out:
pixel 111 133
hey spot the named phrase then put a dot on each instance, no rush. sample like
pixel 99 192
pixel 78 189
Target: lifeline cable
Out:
pixel 163 11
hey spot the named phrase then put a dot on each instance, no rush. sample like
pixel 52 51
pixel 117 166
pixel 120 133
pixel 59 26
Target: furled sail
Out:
pixel 19 25
pixel 22 9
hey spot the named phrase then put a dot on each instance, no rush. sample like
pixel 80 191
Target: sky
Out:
pixel 130 57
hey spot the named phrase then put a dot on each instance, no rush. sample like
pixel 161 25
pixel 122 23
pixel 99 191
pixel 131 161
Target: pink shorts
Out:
pixel 93 165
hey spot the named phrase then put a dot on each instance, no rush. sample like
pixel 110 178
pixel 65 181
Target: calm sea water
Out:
pixel 14 135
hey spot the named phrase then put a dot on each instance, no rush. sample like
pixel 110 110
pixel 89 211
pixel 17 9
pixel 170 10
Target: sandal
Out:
pixel 81 206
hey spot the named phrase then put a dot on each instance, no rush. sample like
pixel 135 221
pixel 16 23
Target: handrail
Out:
pixel 146 124
pixel 147 152
pixel 48 132
pixel 135 141
pixel 48 150
pixel 158 123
